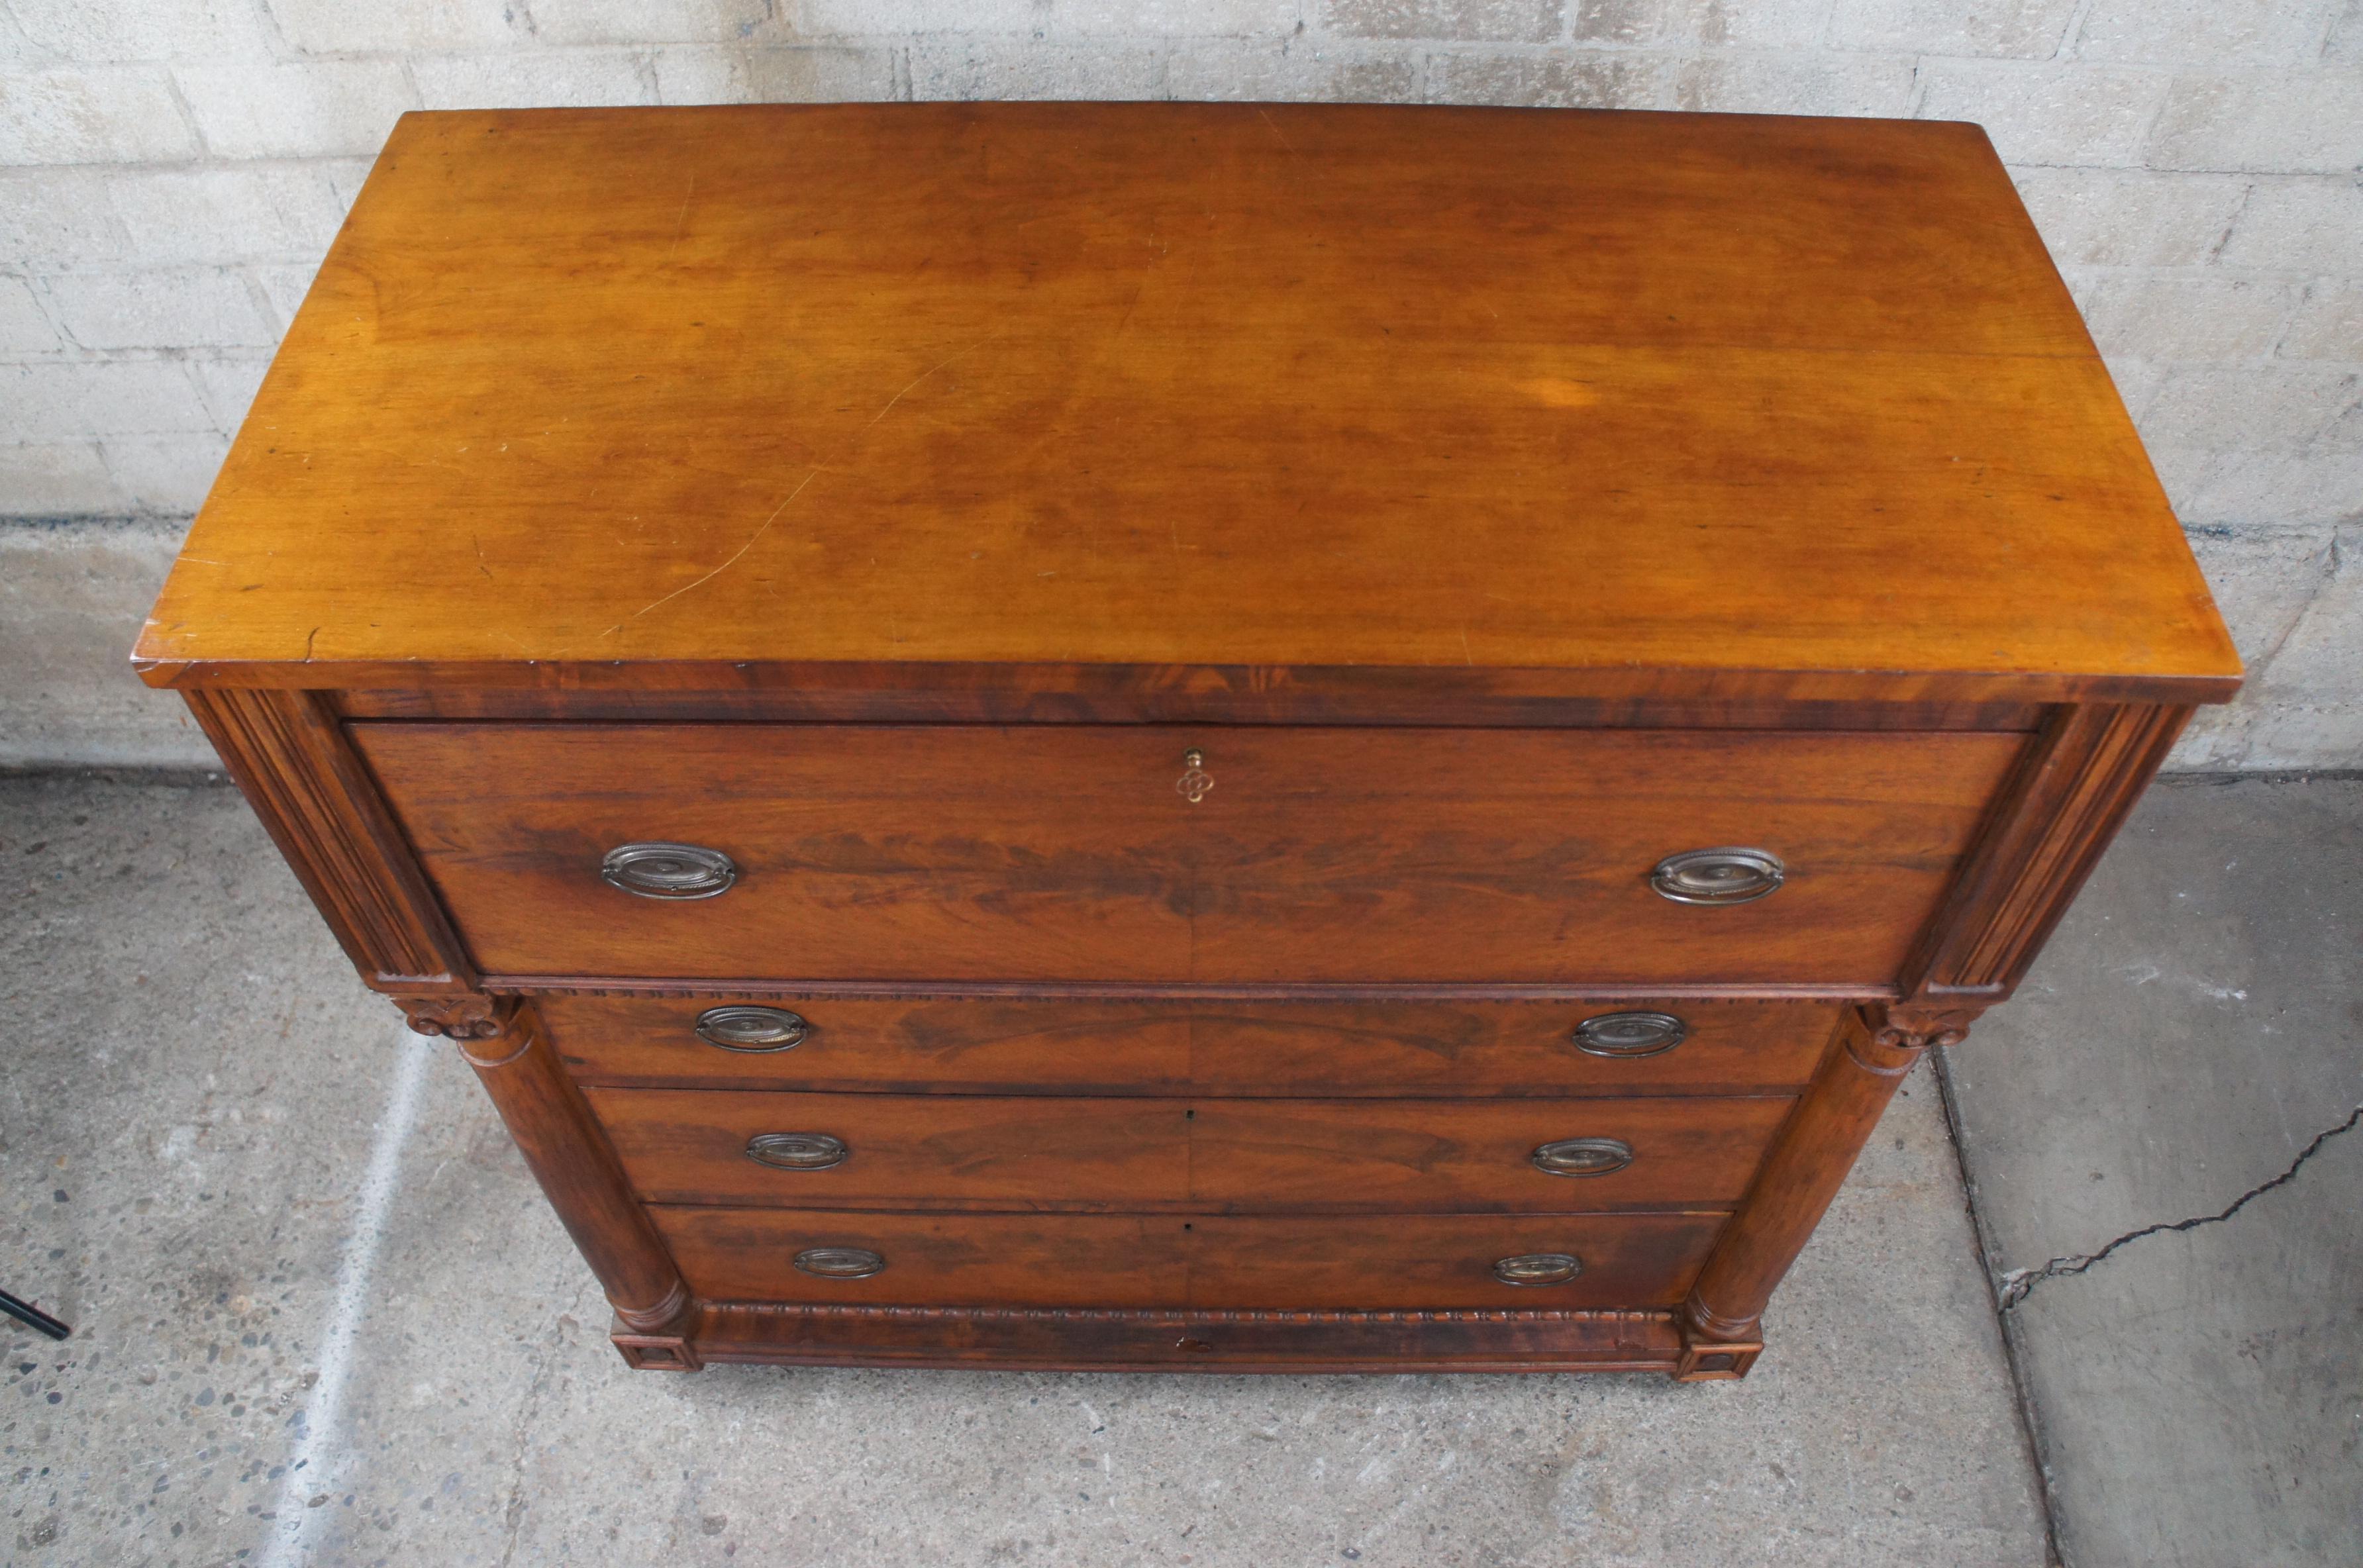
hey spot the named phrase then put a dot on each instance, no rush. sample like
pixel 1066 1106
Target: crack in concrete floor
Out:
pixel 2015 1284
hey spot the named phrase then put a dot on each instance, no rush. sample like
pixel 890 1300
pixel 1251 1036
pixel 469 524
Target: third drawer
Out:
pixel 1211 1155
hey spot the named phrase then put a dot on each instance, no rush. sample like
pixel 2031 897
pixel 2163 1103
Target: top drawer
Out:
pixel 1341 856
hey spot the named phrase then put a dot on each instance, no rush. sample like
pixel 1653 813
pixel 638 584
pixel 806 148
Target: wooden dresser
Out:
pixel 1183 736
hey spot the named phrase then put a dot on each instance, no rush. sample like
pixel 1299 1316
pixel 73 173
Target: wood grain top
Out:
pixel 1623 402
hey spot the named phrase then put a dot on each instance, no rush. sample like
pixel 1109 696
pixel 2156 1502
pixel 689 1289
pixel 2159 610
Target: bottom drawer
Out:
pixel 1388 1261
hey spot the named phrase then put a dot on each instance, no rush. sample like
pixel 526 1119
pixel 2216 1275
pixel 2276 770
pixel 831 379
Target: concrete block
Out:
pixel 2030 29
pixel 1477 21
pixel 184 308
pixel 705 74
pixel 2328 325
pixel 2263 579
pixel 165 475
pixel 2203 33
pixel 1556 81
pixel 285 287
pixel 72 602
pixel 2344 44
pixel 2109 217
pixel 1052 19
pixel 115 31
pixel 227 385
pixel 2310 710
pixel 648 21
pixel 2046 113
pixel 2317 487
pixel 1703 24
pixel 2157 318
pixel 536 79
pixel 24 328
pixel 308 109
pixel 2137 382
pixel 2273 122
pixel 1794 84
pixel 108 114
pixel 59 400
pixel 987 68
pixel 2223 408
pixel 56 218
pixel 61 479
pixel 1297 72
pixel 342 26
pixel 281 211
pixel 2299 226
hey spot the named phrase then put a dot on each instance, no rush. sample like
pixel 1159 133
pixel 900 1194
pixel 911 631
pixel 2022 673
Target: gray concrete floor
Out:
pixel 323 1315
pixel 2194 1025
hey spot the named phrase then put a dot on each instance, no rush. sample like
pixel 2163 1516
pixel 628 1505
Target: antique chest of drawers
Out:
pixel 1175 736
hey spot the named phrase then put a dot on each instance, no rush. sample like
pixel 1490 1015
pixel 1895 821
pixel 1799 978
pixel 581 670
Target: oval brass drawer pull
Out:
pixel 743 1028
pixel 839 1262
pixel 1583 1157
pixel 796 1151
pixel 1718 875
pixel 668 870
pixel 1538 1268
pixel 1630 1033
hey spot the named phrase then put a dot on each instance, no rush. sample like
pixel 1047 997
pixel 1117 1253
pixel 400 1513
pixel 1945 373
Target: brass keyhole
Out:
pixel 1195 781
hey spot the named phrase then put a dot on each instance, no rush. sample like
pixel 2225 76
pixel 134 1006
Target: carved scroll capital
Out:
pixel 1895 1034
pixel 460 1015
pixel 1915 1026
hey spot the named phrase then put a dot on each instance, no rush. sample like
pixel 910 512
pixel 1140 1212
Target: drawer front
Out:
pixel 1390 1263
pixel 967 853
pixel 933 1260
pixel 813 1151
pixel 692 1146
pixel 981 1045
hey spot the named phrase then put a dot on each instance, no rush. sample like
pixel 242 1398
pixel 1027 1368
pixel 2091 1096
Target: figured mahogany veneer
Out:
pixel 1191 1040
pixel 1054 851
pixel 1193 628
pixel 1305 1262
pixel 1205 1155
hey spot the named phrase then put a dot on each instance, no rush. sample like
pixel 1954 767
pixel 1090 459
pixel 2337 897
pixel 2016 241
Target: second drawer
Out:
pixel 1206 1155
pixel 1191 1044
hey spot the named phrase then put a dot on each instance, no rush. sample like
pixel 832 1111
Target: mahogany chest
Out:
pixel 1168 737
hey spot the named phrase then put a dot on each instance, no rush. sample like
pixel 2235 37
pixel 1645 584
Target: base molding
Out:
pixel 1073 1339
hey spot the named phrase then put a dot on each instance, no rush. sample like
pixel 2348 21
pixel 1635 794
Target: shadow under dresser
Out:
pixel 1189 736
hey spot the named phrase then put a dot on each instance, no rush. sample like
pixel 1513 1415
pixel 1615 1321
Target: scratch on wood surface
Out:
pixel 764 527
pixel 726 565
pixel 923 375
pixel 681 223
pixel 1280 133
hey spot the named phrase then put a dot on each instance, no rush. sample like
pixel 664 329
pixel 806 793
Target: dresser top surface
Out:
pixel 619 392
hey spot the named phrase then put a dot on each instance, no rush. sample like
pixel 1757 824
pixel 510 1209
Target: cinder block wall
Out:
pixel 170 171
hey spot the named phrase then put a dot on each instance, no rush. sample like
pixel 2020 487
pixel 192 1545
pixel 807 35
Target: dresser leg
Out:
pixel 1877 1045
pixel 504 1040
